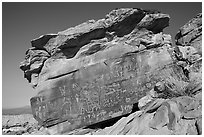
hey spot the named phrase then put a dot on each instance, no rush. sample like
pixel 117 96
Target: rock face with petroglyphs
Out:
pixel 99 70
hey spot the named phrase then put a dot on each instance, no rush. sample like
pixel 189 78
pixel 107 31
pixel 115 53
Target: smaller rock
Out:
pixel 159 87
pixel 146 99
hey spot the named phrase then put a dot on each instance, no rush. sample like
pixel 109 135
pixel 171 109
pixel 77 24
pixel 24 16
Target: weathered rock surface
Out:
pixel 189 51
pixel 18 124
pixel 97 70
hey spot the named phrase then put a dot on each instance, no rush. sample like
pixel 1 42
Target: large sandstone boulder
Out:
pixel 97 70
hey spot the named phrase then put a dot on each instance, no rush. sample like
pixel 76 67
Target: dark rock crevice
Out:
pixel 71 47
pixel 198 125
pixel 112 121
pixel 158 25
pixel 42 40
pixel 58 76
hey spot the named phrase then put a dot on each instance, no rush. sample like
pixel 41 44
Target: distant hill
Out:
pixel 17 111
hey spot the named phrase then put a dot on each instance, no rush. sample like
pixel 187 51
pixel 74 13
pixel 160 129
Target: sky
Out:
pixel 22 22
